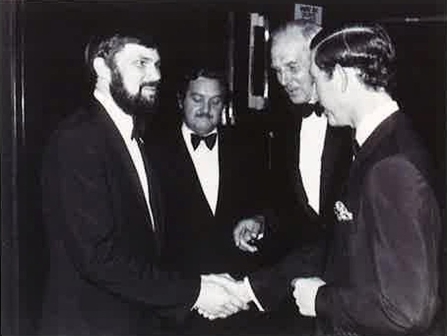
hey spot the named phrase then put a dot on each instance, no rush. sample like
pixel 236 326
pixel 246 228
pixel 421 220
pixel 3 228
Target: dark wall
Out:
pixel 58 31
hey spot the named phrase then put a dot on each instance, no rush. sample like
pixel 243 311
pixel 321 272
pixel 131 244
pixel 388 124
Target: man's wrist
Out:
pixel 199 296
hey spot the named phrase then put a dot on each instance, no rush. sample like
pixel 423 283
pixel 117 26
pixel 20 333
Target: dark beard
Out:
pixel 135 105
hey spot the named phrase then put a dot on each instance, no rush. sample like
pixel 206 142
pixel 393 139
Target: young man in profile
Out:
pixel 382 271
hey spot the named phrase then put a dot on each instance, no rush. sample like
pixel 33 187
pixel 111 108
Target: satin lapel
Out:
pixel 295 165
pixel 370 149
pixel 156 202
pixel 223 170
pixel 116 142
pixel 331 150
pixel 382 131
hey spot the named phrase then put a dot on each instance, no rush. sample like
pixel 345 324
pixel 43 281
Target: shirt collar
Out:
pixel 370 122
pixel 122 120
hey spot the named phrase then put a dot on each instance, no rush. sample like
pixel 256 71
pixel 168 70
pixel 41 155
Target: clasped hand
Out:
pixel 247 232
pixel 221 296
pixel 305 293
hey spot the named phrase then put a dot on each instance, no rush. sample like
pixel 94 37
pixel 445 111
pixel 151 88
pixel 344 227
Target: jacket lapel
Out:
pixel 336 150
pixel 370 151
pixel 295 165
pixel 376 137
pixel 155 201
pixel 224 169
pixel 114 138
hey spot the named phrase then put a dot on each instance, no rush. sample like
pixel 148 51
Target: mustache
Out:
pixel 204 115
pixel 153 85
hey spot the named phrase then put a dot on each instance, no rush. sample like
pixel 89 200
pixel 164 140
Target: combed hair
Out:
pixel 367 48
pixel 206 72
pixel 306 28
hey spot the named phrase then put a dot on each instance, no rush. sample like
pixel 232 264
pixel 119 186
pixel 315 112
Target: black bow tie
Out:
pixel 308 108
pixel 139 125
pixel 210 140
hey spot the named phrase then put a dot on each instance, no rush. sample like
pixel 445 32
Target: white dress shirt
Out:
pixel 206 163
pixel 124 123
pixel 369 123
pixel 312 136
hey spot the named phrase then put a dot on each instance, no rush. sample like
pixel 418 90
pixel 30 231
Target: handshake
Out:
pixel 221 296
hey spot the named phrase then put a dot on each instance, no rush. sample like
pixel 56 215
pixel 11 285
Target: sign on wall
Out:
pixel 309 12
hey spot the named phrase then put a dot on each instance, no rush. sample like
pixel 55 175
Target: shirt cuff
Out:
pixel 253 297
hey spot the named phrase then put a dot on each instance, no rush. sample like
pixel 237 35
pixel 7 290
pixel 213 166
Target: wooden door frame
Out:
pixel 12 160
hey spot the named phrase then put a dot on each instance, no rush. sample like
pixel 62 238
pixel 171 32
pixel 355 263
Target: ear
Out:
pixel 180 101
pixel 342 77
pixel 102 70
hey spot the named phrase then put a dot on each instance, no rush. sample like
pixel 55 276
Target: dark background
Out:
pixel 43 79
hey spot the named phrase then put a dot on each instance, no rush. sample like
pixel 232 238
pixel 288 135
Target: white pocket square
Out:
pixel 342 212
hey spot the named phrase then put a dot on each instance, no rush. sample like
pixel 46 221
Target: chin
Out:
pixel 202 129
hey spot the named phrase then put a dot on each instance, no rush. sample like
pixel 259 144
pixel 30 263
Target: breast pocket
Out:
pixel 345 228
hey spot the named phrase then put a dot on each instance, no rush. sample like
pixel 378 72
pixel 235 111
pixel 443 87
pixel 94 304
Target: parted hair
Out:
pixel 367 48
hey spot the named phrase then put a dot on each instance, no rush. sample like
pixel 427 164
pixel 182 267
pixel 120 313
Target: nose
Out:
pixel 206 106
pixel 153 73
pixel 283 77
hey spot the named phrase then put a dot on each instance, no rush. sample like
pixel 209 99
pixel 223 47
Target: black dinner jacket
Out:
pixel 196 240
pixel 298 221
pixel 104 276
pixel 382 273
pixel 381 268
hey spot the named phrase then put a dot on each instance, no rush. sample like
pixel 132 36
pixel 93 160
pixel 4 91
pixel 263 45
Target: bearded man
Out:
pixel 103 211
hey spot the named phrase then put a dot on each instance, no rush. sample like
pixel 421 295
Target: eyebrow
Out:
pixel 148 58
pixel 291 63
pixel 202 95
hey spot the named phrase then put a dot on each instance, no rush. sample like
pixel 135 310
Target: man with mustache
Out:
pixel 210 178
pixel 104 212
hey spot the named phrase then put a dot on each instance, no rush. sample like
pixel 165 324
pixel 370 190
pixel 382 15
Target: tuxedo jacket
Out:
pixel 382 273
pixel 298 222
pixel 382 267
pixel 104 276
pixel 197 240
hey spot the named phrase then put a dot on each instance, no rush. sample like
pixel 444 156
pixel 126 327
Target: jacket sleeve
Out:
pixel 403 224
pixel 87 222
pixel 272 285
